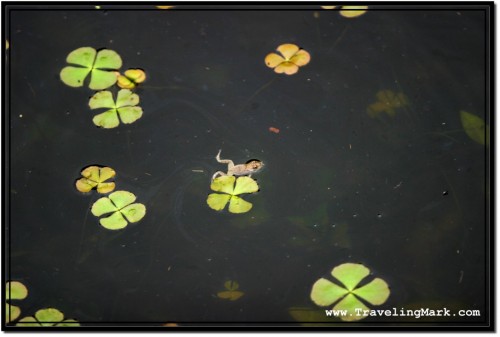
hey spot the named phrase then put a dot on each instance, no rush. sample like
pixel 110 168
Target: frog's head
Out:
pixel 254 165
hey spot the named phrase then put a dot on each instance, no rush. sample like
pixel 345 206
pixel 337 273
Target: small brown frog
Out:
pixel 250 167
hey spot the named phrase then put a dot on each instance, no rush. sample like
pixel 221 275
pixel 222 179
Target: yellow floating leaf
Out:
pixel 292 58
pixel 164 7
pixel 287 68
pixel 301 58
pixel 353 11
pixel 328 7
pixel 124 82
pixel 288 50
pixel 272 60
pixel 475 127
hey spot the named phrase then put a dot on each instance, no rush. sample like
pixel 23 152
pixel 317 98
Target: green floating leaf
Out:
pixel 232 187
pixel 350 274
pixel 101 65
pixel 125 108
pixel 12 312
pixel 475 127
pixel 325 292
pixel 47 317
pixel 95 176
pixel 120 204
pixel 376 292
pixel 15 290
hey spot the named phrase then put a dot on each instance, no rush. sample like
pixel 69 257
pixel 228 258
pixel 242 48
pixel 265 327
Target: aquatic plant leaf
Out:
pixel 217 201
pixel 231 285
pixel 102 99
pixel 136 75
pixel 101 79
pixel 122 198
pixel 376 292
pixel 106 173
pixel 292 58
pixel 15 290
pixel 245 185
pixel 49 316
pixel 114 221
pixel 103 206
pixel 350 274
pixel 130 114
pixel 108 119
pixel 134 213
pixel 238 205
pixel 223 184
pixel 124 82
pixel 12 312
pixel 305 314
pixel 272 60
pixel 124 107
pixel 301 58
pixel 328 7
pixel 288 50
pixel 350 303
pixel 325 293
pixel 101 65
pixel 83 56
pixel 287 68
pixel 96 176
pixel 475 127
pixel 73 76
pixel 126 97
pixel 353 11
pixel 388 102
pixel 231 295
pixel 108 59
pixel 28 321
pixel 68 323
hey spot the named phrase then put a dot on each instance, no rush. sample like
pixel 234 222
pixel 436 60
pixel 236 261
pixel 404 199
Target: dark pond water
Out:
pixel 405 195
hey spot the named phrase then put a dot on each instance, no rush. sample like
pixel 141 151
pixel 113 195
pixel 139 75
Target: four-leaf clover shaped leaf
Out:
pixel 231 187
pixel 95 176
pixel 125 107
pixel 102 66
pixel 231 293
pixel 326 293
pixel 120 204
pixel 291 58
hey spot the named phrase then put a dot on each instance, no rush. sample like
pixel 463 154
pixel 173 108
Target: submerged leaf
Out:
pixel 231 294
pixel 475 127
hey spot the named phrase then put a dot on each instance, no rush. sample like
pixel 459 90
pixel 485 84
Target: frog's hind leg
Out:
pixel 229 162
pixel 220 173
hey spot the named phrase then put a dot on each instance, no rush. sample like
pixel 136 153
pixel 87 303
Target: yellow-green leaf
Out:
pixel 475 127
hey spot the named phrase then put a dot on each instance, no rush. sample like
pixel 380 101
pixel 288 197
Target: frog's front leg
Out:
pixel 229 162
